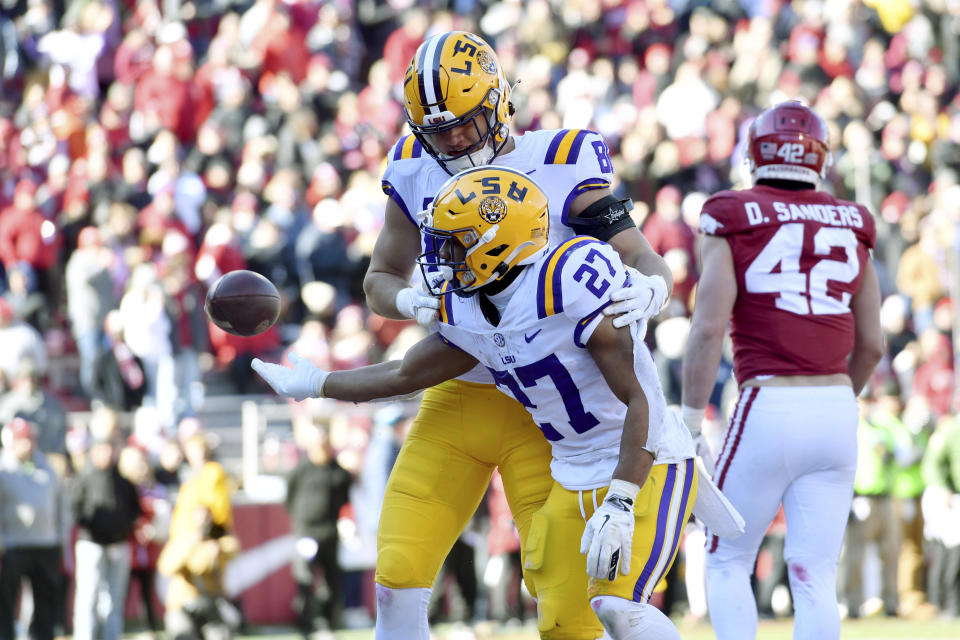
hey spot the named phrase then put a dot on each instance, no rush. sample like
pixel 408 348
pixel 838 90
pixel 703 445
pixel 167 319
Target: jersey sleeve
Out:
pixel 576 281
pixel 398 171
pixel 584 158
pixel 868 233
pixel 721 215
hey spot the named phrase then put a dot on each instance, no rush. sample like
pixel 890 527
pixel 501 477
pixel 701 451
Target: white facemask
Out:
pixel 470 160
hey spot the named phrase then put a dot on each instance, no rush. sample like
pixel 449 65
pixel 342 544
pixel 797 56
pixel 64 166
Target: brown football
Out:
pixel 243 303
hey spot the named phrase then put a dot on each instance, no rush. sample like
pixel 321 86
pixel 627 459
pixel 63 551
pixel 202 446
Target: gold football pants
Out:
pixel 462 432
pixel 556 566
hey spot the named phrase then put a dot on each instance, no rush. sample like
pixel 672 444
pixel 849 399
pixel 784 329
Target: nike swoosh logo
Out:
pixel 604 523
pixel 530 338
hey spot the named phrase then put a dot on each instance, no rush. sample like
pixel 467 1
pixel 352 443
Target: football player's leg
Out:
pixel 662 509
pixel 433 490
pixel 751 475
pixel 816 506
pixel 525 468
pixel 555 565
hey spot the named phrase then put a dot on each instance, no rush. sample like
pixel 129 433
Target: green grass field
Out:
pixel 865 629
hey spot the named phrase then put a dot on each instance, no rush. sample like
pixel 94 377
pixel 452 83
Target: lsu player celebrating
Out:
pixel 457 103
pixel 624 478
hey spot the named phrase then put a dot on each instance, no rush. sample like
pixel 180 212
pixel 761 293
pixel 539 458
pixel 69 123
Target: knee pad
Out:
pixel 627 620
pixel 402 613
pixel 395 569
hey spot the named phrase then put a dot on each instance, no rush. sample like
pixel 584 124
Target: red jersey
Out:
pixel 798 258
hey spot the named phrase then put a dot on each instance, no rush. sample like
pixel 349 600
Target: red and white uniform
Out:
pixel 799 258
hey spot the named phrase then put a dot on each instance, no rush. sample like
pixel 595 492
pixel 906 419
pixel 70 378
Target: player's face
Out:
pixel 459 140
pixel 452 251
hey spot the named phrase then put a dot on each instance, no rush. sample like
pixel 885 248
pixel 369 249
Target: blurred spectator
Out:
pixel 119 380
pixel 316 492
pixel 27 235
pixel 105 507
pixel 941 512
pixel 20 341
pixel 184 298
pixel 89 298
pixel 912 438
pixel 147 328
pixel 34 528
pixel 872 517
pixel 934 377
pixel 194 560
pixel 208 485
pixel 150 530
pixel 28 399
pixel 26 301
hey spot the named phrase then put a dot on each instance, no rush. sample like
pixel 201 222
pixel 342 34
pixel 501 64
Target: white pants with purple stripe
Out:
pixel 798 446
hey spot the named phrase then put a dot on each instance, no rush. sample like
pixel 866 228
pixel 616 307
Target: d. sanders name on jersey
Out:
pixel 837 215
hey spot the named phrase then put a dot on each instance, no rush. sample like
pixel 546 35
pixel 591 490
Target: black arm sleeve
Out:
pixel 603 219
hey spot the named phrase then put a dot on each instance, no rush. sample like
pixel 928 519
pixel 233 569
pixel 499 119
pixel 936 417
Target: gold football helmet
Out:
pixel 483 222
pixel 453 80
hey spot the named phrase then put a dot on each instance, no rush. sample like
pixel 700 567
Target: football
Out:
pixel 243 303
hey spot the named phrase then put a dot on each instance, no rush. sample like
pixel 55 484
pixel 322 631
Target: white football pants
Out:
pixel 798 446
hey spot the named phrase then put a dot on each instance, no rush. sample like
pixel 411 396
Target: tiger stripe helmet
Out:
pixel 455 79
pixel 483 222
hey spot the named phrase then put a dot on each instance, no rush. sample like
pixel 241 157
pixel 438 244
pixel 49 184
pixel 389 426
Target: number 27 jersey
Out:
pixel 799 259
pixel 537 354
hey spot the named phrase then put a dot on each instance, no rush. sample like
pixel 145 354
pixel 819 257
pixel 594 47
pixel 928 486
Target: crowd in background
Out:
pixel 147 147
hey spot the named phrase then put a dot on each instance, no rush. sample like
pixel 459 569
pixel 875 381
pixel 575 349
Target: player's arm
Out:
pixel 607 538
pixel 394 256
pixel 599 214
pixel 868 337
pixel 716 294
pixel 427 363
pixel 612 350
pixel 622 233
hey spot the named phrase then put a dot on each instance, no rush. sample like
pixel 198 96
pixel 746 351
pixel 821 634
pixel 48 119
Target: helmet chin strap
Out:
pixel 470 160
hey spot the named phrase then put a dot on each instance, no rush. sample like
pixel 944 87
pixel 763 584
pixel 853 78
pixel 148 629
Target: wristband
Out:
pixel 623 488
pixel 693 418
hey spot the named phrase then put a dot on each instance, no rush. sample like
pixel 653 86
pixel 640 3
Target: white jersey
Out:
pixel 563 162
pixel 537 354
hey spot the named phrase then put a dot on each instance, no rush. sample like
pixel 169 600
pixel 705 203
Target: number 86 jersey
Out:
pixel 798 258
pixel 537 354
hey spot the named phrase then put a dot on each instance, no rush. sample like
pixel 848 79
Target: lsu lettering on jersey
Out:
pixel 537 354
pixel 798 257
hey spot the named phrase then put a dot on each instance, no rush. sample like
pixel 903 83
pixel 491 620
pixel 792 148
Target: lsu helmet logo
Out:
pixel 486 62
pixel 492 209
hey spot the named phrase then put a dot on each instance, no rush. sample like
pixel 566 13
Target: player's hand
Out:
pixel 608 536
pixel 703 451
pixel 301 382
pixel 640 300
pixel 418 304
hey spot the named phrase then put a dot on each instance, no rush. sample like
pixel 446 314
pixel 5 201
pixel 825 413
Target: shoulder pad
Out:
pixel 406 148
pixel 718 217
pixel 550 282
pixel 446 305
pixel 565 146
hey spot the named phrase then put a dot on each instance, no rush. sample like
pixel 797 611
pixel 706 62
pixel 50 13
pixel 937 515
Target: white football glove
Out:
pixel 608 536
pixel 640 300
pixel 693 418
pixel 301 382
pixel 418 304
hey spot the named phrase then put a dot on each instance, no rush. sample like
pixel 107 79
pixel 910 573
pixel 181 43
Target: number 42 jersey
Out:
pixel 798 258
pixel 537 354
